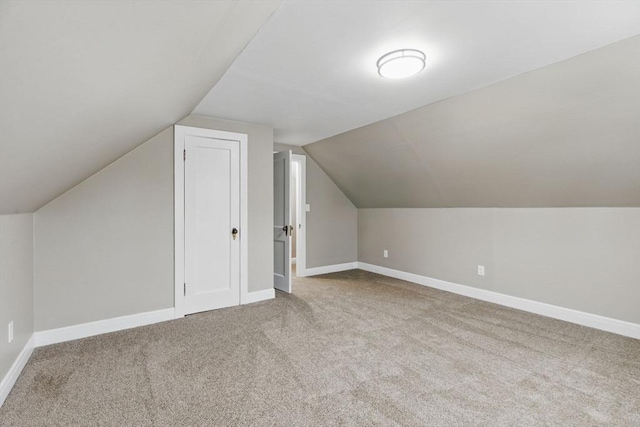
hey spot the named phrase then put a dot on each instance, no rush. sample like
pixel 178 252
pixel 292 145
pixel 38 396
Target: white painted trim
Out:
pixel 257 296
pixel 608 324
pixel 244 215
pixel 330 269
pixel 180 132
pixel 178 221
pixel 12 375
pixel 83 330
pixel 301 232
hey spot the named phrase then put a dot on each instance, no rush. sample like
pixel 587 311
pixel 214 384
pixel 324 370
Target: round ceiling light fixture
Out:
pixel 401 63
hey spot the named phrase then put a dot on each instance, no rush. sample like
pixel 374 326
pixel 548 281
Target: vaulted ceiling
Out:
pixel 565 135
pixel 84 82
pixel 310 72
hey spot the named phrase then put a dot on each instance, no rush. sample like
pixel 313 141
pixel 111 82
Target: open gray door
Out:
pixel 281 221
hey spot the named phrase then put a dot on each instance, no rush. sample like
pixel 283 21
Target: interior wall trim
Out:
pixel 12 375
pixel 258 296
pixel 83 330
pixel 314 271
pixel 603 323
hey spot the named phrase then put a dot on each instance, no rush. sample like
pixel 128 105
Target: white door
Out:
pixel 212 223
pixel 281 221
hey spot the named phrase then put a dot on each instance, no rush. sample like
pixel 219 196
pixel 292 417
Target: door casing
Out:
pixel 180 133
pixel 301 233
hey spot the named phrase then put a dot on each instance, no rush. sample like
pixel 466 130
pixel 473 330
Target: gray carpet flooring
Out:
pixel 349 348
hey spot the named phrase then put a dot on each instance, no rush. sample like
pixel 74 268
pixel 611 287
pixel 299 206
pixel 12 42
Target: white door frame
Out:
pixel 301 232
pixel 180 133
pixel 282 241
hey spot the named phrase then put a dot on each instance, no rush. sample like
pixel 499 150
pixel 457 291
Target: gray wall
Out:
pixel 563 135
pixel 580 258
pixel 332 224
pixel 105 248
pixel 260 189
pixel 16 286
pixel 108 76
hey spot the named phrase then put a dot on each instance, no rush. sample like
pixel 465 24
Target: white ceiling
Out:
pixel 84 82
pixel 310 71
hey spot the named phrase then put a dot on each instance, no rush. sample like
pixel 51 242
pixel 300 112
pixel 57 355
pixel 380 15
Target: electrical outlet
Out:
pixel 385 253
pixel 307 208
pixel 481 270
pixel 10 338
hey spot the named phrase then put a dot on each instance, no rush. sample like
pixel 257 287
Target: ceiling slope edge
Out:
pixel 565 135
pixel 116 75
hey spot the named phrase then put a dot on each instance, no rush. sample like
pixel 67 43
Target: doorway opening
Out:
pixel 299 215
pixel 289 216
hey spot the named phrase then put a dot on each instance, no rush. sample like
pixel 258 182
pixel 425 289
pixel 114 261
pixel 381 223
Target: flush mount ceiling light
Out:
pixel 401 63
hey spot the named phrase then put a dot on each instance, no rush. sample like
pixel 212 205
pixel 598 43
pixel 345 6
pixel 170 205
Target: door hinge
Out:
pixel 185 289
pixel 184 155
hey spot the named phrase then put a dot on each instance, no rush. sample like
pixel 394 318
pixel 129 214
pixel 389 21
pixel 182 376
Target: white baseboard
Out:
pixel 330 269
pixel 83 330
pixel 18 365
pixel 258 296
pixel 567 314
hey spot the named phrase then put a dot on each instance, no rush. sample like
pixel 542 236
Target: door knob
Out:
pixel 234 233
pixel 286 230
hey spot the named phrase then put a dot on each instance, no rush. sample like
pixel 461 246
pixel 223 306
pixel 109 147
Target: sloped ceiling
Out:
pixel 310 72
pixel 82 83
pixel 564 135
